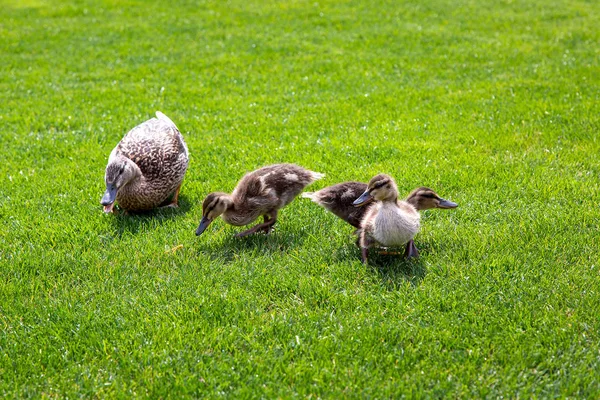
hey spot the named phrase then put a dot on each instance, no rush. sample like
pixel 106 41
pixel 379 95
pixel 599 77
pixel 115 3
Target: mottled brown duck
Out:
pixel 147 167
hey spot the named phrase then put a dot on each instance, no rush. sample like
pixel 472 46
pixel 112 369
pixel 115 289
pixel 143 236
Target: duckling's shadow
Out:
pixel 133 222
pixel 390 267
pixel 396 267
pixel 231 248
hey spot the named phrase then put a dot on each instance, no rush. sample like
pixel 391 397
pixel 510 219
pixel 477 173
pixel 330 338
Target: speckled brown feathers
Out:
pixel 148 165
pixel 156 146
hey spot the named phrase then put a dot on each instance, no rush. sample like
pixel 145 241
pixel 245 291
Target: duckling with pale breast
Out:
pixel 147 167
pixel 390 222
pixel 338 200
pixel 259 193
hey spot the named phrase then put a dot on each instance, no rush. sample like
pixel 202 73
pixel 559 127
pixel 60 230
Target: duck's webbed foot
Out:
pixel 411 250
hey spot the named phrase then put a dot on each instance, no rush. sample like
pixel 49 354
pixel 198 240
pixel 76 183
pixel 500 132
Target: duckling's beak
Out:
pixel 108 200
pixel 204 223
pixel 364 198
pixel 447 204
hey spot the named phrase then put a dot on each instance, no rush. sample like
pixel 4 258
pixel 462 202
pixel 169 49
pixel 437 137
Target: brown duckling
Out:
pixel 390 222
pixel 147 167
pixel 338 200
pixel 259 193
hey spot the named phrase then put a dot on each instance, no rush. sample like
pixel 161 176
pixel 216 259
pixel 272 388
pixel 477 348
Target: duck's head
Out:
pixel 214 205
pixel 119 172
pixel 381 188
pixel 424 198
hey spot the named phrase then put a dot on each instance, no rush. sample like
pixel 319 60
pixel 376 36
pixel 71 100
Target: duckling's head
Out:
pixel 119 172
pixel 381 188
pixel 214 205
pixel 423 198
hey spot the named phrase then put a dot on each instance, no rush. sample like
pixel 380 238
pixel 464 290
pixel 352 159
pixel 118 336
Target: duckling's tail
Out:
pixel 163 117
pixel 308 195
pixel 316 175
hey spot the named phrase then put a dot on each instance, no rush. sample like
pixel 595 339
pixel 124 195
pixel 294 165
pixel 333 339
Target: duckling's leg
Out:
pixel 364 242
pixel 265 226
pixel 364 252
pixel 269 218
pixel 411 250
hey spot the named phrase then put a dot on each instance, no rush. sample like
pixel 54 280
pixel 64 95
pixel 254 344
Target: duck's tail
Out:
pixel 163 117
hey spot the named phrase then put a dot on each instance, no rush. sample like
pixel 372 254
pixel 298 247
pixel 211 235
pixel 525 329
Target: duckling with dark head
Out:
pixel 259 193
pixel 147 167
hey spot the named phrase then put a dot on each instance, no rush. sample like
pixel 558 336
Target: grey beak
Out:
pixel 363 199
pixel 110 195
pixel 204 223
pixel 447 204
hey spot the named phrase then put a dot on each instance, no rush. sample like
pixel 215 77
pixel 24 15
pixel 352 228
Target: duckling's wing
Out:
pixel 338 200
pixel 288 180
pixel 251 195
pixel 273 186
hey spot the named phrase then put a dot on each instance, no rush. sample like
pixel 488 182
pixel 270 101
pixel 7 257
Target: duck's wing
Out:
pixel 154 145
pixel 338 200
pixel 172 129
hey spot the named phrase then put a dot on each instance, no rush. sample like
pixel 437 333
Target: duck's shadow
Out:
pixel 133 222
pixel 391 268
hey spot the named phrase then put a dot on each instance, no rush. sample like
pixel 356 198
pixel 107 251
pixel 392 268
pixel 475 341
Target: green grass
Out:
pixel 494 104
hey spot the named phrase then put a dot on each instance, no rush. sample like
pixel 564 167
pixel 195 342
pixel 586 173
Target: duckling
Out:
pixel 259 193
pixel 393 223
pixel 338 200
pixel 147 167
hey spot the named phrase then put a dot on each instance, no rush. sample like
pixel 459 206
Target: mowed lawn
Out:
pixel 493 104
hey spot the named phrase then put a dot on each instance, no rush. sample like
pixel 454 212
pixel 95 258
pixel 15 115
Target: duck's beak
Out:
pixel 447 204
pixel 364 198
pixel 204 223
pixel 108 200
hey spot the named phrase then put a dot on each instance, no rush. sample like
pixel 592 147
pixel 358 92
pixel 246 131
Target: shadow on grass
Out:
pixel 231 248
pixel 133 222
pixel 390 267
pixel 396 267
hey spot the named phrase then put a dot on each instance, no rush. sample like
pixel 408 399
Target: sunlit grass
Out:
pixel 492 104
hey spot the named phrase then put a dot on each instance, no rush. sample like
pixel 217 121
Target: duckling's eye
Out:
pixel 387 186
pixel 379 185
pixel 122 169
